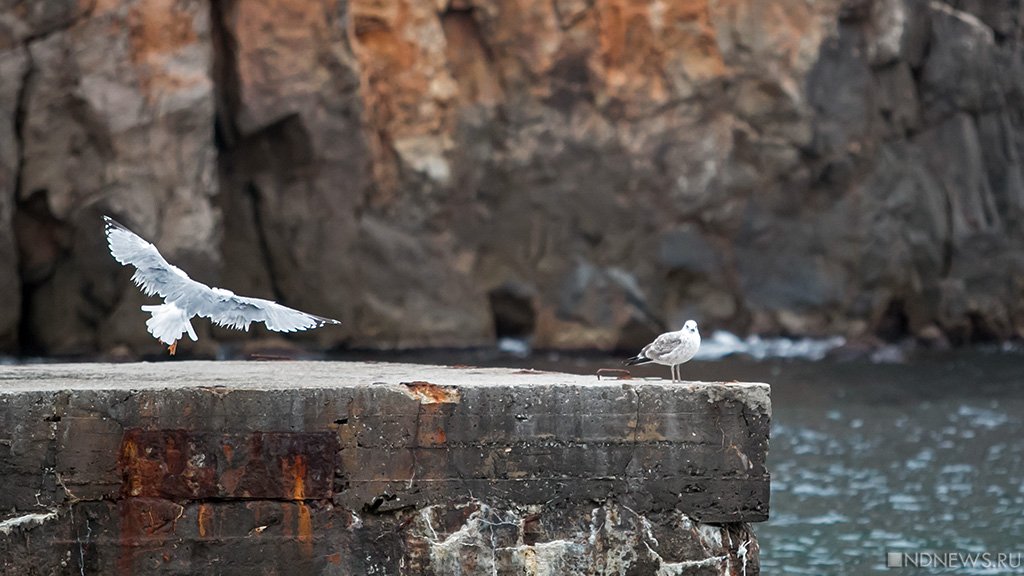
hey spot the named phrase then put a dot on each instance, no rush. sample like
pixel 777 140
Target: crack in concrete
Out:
pixel 416 445
pixel 72 499
pixel 636 432
pixel 81 545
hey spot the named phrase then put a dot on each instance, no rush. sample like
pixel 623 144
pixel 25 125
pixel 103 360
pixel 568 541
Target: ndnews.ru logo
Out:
pixel 983 560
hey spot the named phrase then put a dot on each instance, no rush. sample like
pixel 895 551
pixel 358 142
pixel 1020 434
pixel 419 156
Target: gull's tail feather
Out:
pixel 168 323
pixel 638 359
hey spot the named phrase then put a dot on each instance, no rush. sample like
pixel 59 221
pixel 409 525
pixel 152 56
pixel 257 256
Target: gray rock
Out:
pixel 917 31
pixel 1001 154
pixel 840 88
pixel 779 270
pixel 685 248
pixel 1004 17
pixel 897 100
pixel 963 180
pixel 117 119
pixel 960 72
pixel 13 63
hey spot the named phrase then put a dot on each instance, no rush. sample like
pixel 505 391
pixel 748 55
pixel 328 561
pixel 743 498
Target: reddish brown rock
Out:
pixel 578 173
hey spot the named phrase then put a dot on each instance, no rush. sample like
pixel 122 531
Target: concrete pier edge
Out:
pixel 360 468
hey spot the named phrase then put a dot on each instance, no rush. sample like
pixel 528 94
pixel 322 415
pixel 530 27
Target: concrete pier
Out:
pixel 364 468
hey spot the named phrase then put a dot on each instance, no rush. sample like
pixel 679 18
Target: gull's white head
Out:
pixel 690 326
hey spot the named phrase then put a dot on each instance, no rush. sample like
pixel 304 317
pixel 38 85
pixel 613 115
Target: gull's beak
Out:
pixel 173 347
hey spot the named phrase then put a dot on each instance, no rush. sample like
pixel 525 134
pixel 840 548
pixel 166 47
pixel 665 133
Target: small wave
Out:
pixel 722 344
pixel 514 346
pixel 982 417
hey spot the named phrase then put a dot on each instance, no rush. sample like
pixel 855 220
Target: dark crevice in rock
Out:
pixel 948 241
pixel 513 312
pixel 471 60
pixel 20 117
pixel 255 201
pixel 894 323
pixel 40 239
pixel 982 330
pixel 225 75
pixel 236 153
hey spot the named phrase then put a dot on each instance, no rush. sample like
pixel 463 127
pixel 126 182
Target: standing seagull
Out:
pixel 185 298
pixel 671 349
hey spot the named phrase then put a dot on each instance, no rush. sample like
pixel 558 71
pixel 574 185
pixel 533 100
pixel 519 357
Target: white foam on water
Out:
pixel 722 344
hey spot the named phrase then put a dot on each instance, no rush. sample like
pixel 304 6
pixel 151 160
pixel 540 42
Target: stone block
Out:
pixel 306 468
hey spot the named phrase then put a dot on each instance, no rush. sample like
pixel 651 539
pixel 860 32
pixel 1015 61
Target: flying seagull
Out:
pixel 185 298
pixel 671 349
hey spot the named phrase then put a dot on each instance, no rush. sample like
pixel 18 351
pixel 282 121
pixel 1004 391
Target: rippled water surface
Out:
pixel 869 458
pixel 873 458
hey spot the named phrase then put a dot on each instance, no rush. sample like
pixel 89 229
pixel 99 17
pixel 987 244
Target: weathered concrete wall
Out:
pixel 345 468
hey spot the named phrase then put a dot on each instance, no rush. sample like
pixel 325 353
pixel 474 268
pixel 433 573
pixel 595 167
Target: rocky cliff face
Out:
pixel 584 172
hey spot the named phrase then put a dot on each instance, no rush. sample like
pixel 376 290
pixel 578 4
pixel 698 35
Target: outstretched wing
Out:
pixel 662 345
pixel 235 311
pixel 154 275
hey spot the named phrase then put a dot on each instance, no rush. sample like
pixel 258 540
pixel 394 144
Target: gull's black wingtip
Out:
pixel 636 360
pixel 321 321
pixel 111 224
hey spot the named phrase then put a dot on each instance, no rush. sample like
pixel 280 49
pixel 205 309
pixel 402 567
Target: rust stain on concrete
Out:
pixel 184 465
pixel 144 521
pixel 203 519
pixel 304 529
pixel 650 431
pixel 440 437
pixel 132 476
pixel 294 469
pixel 430 393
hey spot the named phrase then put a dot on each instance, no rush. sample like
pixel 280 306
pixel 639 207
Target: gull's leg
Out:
pixel 673 372
pixel 173 347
